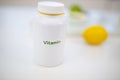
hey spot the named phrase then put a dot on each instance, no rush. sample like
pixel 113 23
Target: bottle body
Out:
pixel 49 36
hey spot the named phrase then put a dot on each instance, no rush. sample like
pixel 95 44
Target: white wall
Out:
pixel 87 4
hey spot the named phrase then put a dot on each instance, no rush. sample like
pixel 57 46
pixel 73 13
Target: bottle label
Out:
pixel 51 42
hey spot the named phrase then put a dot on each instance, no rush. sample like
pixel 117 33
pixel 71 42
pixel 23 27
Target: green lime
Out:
pixel 76 8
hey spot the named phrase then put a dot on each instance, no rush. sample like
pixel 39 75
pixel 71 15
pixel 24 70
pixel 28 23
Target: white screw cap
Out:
pixel 50 7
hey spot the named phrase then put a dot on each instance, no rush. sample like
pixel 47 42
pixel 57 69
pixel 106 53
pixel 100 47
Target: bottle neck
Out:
pixel 47 14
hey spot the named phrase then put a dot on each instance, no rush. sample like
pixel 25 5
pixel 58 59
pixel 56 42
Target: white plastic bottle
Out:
pixel 49 34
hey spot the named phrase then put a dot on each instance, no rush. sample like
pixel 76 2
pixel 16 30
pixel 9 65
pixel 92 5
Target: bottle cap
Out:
pixel 49 7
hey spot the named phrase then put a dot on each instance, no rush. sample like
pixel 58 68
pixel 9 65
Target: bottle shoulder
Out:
pixel 50 19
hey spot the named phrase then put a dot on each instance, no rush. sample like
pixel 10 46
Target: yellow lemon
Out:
pixel 95 34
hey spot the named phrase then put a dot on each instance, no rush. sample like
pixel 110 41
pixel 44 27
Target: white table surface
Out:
pixel 82 61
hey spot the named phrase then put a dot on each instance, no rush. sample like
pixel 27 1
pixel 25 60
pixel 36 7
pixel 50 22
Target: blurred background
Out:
pixel 82 61
pixel 107 5
pixel 96 12
pixel 104 12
